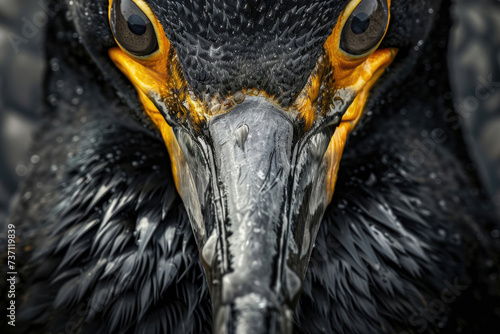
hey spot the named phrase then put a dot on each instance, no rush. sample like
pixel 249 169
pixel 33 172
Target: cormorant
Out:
pixel 185 172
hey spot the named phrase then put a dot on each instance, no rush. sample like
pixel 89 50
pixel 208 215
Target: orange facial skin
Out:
pixel 357 74
pixel 159 77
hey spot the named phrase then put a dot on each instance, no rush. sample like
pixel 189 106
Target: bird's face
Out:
pixel 255 101
pixel 254 149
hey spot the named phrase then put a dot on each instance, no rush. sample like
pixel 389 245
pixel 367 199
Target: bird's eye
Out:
pixel 132 28
pixel 365 27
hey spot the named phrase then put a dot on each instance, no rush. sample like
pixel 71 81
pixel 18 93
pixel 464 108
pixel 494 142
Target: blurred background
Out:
pixel 474 61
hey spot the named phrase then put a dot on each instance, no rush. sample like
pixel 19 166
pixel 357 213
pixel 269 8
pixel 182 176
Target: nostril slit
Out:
pixel 241 135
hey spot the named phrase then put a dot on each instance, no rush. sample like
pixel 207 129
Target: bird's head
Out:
pixel 255 101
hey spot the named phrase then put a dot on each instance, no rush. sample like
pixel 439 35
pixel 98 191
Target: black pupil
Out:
pixel 136 24
pixel 360 23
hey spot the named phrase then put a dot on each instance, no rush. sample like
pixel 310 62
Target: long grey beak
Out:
pixel 252 148
pixel 260 195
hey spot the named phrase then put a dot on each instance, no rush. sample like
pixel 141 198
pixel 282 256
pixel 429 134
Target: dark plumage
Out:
pixel 107 243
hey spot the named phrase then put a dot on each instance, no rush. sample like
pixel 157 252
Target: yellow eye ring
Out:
pixel 363 25
pixel 136 29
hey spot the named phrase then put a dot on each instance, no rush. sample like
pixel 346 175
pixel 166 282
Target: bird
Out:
pixel 252 166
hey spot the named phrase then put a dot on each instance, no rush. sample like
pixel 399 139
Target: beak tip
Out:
pixel 244 317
